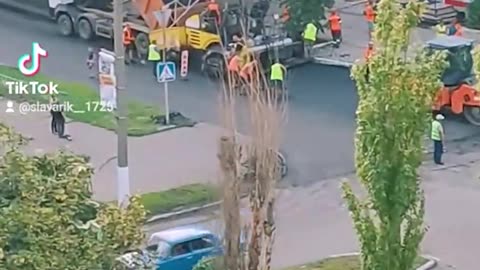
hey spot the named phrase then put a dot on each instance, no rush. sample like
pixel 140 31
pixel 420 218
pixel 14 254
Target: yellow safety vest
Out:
pixel 441 29
pixel 153 55
pixel 436 130
pixel 310 32
pixel 276 72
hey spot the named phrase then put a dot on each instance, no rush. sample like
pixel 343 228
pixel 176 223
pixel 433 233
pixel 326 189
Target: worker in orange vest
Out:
pixel 247 73
pixel 128 43
pixel 335 28
pixel 234 69
pixel 369 14
pixel 285 17
pixel 368 55
pixel 369 51
pixel 214 8
pixel 458 29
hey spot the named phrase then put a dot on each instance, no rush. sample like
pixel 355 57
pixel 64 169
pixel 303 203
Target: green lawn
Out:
pixel 139 114
pixel 341 263
pixel 177 198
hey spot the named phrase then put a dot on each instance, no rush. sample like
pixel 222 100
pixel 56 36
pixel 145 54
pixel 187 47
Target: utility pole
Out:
pixel 123 178
pixel 164 57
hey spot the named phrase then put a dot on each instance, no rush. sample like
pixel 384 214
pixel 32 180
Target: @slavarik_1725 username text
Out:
pixel 89 106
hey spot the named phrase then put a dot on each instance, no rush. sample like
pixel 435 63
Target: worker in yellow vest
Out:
pixel 309 38
pixel 154 56
pixel 441 29
pixel 277 75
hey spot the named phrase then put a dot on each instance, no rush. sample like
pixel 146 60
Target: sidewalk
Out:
pixel 313 222
pixel 355 37
pixel 157 162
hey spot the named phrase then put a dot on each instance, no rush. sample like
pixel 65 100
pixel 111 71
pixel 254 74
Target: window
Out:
pixel 160 248
pixel 202 243
pixel 181 249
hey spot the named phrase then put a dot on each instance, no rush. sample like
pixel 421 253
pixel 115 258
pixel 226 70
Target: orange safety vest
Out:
pixel 285 15
pixel 234 64
pixel 247 70
pixel 458 30
pixel 368 53
pixel 335 22
pixel 369 13
pixel 127 36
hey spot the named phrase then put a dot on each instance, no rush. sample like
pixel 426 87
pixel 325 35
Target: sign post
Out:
pixel 165 72
pixel 184 65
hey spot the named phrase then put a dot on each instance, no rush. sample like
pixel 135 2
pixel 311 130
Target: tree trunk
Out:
pixel 231 202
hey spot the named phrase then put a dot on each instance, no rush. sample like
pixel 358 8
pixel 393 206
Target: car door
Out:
pixel 179 259
pixel 203 247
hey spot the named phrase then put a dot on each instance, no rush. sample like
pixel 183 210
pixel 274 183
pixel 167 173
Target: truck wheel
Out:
pixel 214 66
pixel 85 29
pixel 472 114
pixel 65 24
pixel 142 42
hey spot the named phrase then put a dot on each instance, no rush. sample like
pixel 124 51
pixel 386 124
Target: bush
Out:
pixel 473 15
pixel 210 263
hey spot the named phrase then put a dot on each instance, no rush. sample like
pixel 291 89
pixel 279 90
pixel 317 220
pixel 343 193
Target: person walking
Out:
pixel 438 138
pixel 154 56
pixel 369 14
pixel 309 38
pixel 336 28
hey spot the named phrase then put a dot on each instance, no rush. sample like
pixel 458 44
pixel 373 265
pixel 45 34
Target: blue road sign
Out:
pixel 166 72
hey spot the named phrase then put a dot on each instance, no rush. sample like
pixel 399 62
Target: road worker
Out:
pixel 154 56
pixel 128 43
pixel 438 138
pixel 285 17
pixel 234 69
pixel 277 75
pixel 369 14
pixel 309 38
pixel 214 9
pixel 336 28
pixel 441 29
pixel 458 29
pixel 247 74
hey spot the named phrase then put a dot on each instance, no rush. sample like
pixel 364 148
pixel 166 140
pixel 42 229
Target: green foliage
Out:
pixel 473 14
pixel 210 263
pixel 45 204
pixel 392 118
pixel 84 98
pixel 476 65
pixel 181 197
pixel 303 12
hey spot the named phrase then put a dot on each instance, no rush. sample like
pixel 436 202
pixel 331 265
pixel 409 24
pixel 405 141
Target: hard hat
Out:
pixel 439 117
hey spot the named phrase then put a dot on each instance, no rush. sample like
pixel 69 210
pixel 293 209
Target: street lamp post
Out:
pixel 123 181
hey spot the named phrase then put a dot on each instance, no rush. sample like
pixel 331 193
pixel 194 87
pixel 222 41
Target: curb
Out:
pixel 176 214
pixel 430 264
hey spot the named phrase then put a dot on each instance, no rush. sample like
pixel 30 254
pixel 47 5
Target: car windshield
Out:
pixel 159 247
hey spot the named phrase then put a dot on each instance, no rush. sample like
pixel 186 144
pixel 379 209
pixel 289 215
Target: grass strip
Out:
pixel 84 99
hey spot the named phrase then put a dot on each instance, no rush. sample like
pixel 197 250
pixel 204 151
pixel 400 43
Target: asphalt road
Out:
pixel 318 139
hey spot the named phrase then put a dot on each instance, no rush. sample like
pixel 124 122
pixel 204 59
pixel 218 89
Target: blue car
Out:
pixel 183 248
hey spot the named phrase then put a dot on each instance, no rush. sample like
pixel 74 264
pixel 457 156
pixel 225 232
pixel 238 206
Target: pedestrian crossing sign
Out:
pixel 166 72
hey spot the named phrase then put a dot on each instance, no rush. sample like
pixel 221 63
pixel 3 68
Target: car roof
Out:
pixel 448 42
pixel 173 236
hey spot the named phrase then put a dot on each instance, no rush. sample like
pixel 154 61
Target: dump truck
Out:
pixel 187 24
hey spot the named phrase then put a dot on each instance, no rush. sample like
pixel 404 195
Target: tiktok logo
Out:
pixel 29 64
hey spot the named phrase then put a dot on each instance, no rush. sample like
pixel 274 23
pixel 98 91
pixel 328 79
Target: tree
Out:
pixel 303 12
pixel 476 63
pixel 396 90
pixel 48 220
pixel 473 14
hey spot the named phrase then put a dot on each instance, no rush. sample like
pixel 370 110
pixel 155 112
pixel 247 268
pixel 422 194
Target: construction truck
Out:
pixel 458 93
pixel 184 23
